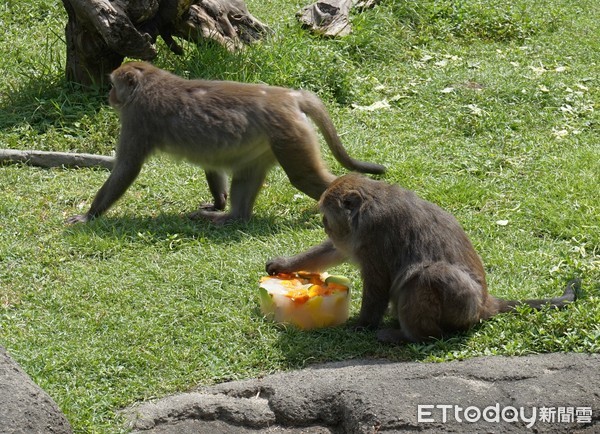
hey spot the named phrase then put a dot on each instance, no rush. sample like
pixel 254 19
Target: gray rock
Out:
pixel 367 396
pixel 24 407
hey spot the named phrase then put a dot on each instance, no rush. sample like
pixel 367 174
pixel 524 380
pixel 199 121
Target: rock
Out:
pixel 367 396
pixel 24 407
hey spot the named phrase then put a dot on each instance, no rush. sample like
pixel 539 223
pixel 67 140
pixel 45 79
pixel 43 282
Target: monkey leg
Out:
pixel 375 300
pixel 217 183
pixel 245 185
pixel 302 164
pixel 436 299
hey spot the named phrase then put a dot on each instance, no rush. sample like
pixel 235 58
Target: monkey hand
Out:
pixel 81 218
pixel 277 266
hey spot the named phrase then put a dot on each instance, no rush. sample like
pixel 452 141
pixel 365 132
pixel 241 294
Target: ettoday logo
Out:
pixel 429 413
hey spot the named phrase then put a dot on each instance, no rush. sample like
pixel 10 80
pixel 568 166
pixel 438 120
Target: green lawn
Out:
pixel 490 110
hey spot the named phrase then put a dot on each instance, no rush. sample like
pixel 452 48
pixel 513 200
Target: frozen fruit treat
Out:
pixel 305 300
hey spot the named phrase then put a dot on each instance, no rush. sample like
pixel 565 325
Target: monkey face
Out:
pixel 334 219
pixel 124 80
pixel 119 93
pixel 113 99
pixel 341 213
pixel 337 229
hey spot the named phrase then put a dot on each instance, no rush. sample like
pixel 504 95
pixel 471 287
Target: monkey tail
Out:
pixel 316 110
pixel 571 293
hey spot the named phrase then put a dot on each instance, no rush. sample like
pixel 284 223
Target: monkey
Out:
pixel 223 126
pixel 412 255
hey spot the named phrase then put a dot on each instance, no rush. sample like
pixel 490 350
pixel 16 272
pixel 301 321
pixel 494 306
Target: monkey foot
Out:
pixel 207 207
pixel 363 327
pixel 205 211
pixel 217 217
pixel 391 336
pixel 81 218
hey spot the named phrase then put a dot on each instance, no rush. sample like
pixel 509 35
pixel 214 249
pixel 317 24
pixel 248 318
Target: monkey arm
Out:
pixel 317 258
pixel 121 177
pixel 375 292
pixel 375 300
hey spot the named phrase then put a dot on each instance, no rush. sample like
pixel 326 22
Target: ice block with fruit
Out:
pixel 305 300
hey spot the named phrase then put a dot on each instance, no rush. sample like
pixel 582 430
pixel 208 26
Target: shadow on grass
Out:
pixel 164 226
pixel 49 102
pixel 307 347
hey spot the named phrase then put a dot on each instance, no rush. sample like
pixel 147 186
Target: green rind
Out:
pixel 267 305
pixel 340 280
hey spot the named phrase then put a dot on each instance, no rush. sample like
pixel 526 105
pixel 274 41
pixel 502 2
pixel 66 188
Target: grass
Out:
pixel 492 114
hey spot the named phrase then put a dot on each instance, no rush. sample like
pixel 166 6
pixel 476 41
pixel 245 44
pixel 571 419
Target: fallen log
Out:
pixel 55 159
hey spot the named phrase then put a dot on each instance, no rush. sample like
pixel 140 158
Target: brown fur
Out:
pixel 223 126
pixel 411 254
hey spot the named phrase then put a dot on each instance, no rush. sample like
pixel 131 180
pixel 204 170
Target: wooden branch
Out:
pixel 331 17
pixel 55 159
pixel 227 22
pixel 327 17
pixel 364 4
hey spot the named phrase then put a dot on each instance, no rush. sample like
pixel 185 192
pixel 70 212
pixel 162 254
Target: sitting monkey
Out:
pixel 223 126
pixel 411 253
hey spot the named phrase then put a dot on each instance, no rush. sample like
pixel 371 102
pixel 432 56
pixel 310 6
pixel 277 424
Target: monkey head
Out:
pixel 125 80
pixel 344 206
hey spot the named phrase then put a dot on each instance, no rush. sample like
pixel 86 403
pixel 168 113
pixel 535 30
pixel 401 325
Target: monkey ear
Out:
pixel 130 78
pixel 352 202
